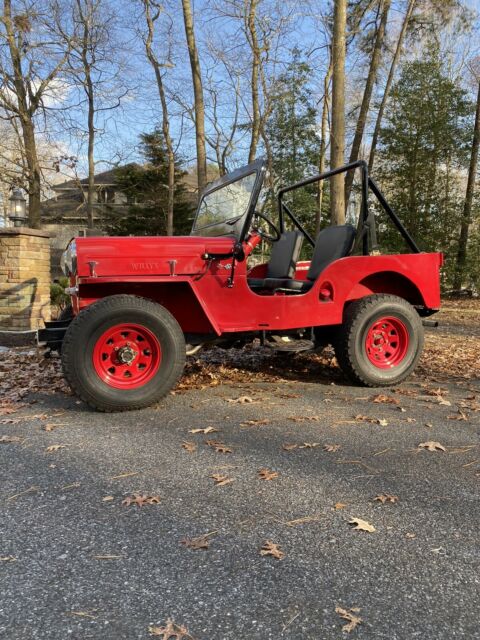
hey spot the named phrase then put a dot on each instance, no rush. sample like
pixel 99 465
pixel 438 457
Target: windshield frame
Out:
pixel 237 226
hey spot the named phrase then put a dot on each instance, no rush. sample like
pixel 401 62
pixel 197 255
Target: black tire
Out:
pixel 91 324
pixel 351 342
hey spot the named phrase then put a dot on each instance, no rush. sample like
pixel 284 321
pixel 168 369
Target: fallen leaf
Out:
pixel 8 559
pixel 410 535
pixel 140 500
pixel 331 448
pixel 339 505
pixel 220 480
pixel 382 422
pixel 362 525
pixel 304 520
pixel 289 447
pixel 309 445
pixel 107 499
pixel 431 445
pixel 10 439
pixel 206 430
pixel 385 497
pixel 255 423
pixel 458 416
pixel 50 426
pixel 352 620
pixel 108 557
pixel 241 400
pixel 55 447
pixel 191 447
pixel 11 420
pixel 170 631
pixel 219 447
pixel 384 399
pixel 201 542
pixel 83 614
pixel 271 549
pixel 266 474
pixel 304 418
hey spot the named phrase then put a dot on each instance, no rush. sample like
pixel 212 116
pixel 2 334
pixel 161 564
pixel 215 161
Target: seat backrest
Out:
pixel 285 254
pixel 332 243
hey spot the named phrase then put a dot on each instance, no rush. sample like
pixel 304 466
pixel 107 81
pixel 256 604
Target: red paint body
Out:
pixel 172 271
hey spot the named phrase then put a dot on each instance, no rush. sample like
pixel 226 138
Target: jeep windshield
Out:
pixel 226 204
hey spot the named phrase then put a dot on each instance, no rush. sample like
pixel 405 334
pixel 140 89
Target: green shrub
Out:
pixel 58 297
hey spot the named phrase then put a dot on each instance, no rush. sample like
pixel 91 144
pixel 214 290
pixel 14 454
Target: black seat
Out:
pixel 283 259
pixel 332 244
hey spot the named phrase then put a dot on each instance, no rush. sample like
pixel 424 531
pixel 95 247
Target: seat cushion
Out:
pixel 284 255
pixel 332 243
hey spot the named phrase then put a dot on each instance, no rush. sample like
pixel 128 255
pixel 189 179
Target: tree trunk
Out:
pixel 165 117
pixel 252 30
pixel 323 146
pixel 337 139
pixel 367 95
pixel 467 207
pixel 388 86
pixel 34 176
pixel 91 150
pixel 25 115
pixel 198 96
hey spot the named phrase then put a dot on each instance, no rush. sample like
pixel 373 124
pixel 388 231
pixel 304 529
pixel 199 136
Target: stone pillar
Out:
pixel 24 278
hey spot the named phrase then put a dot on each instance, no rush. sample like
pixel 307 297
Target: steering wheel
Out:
pixel 270 237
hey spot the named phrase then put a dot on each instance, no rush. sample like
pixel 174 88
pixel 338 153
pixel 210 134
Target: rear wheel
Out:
pixel 381 340
pixel 123 353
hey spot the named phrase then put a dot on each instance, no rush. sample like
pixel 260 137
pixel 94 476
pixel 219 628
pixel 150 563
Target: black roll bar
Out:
pixel 366 220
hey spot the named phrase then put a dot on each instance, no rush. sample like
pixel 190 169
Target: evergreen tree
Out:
pixel 423 155
pixel 291 132
pixel 146 188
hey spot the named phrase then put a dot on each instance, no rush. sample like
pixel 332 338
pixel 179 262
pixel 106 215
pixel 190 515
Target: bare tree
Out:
pixel 383 9
pixel 29 64
pixel 199 105
pixel 467 207
pixel 252 37
pixel 152 12
pixel 337 138
pixel 388 85
pixel 323 144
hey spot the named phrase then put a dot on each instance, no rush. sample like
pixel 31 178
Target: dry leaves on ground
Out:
pixel 219 447
pixel 55 447
pixel 381 421
pixel 352 620
pixel 272 549
pixel 255 423
pixel 361 525
pixel 289 446
pixel 206 430
pixel 11 439
pixel 8 559
pixel 383 399
pixel 266 474
pixel 140 500
pixel 339 505
pixel 221 480
pixel 241 400
pixel 385 497
pixel 191 447
pixel 201 542
pixel 171 631
pixel 331 448
pixel 431 445
pixel 309 445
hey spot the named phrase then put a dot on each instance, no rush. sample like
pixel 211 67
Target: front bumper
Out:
pixel 52 336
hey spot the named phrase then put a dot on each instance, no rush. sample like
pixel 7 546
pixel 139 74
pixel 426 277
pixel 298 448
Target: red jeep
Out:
pixel 140 305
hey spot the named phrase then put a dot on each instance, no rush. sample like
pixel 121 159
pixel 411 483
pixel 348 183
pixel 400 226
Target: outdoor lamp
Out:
pixel 18 207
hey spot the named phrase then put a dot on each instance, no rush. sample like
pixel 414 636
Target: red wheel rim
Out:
pixel 386 343
pixel 127 356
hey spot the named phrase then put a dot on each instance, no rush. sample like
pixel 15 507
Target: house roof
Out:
pixel 104 178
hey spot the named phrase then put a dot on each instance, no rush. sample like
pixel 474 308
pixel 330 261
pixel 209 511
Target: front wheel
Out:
pixel 381 340
pixel 123 353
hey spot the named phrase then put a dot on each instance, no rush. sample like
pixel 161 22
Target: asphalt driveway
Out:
pixel 77 563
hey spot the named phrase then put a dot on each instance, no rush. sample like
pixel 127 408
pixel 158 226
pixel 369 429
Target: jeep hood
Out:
pixel 162 255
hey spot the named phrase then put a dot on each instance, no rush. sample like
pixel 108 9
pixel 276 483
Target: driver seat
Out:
pixel 283 259
pixel 332 243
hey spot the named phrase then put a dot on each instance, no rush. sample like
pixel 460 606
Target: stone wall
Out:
pixel 24 278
